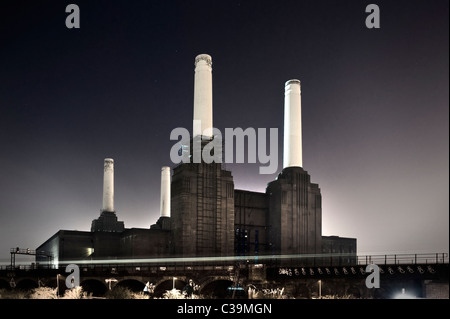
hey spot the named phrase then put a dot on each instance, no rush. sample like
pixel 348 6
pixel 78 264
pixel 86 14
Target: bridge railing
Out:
pixel 394 259
pixel 349 259
pixel 169 264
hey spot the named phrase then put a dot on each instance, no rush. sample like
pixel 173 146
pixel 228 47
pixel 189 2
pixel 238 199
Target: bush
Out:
pixel 119 293
pixel 174 294
pixel 44 293
pixel 76 293
pixel 13 294
pixel 140 295
pixel 125 293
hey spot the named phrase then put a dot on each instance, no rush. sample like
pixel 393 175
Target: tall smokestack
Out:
pixel 292 124
pixel 108 186
pixel 165 192
pixel 203 96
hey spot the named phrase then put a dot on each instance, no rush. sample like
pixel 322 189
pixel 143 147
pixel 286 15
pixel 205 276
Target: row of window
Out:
pixel 242 243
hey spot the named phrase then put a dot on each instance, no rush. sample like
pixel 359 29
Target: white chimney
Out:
pixel 292 125
pixel 165 192
pixel 203 96
pixel 108 186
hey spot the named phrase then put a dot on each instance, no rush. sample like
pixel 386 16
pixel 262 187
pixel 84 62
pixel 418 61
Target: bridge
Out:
pixel 301 276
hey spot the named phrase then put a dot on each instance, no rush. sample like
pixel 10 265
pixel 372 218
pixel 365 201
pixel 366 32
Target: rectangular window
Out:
pixel 187 184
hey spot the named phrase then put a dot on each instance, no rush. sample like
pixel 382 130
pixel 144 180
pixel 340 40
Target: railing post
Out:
pixel 415 259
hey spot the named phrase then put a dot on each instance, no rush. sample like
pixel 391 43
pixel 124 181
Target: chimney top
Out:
pixel 293 81
pixel 203 57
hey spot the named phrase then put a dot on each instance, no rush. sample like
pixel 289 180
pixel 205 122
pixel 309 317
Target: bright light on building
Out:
pixel 404 295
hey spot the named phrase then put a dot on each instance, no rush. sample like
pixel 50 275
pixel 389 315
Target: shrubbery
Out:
pixel 45 293
pixel 124 293
pixel 120 292
pixel 13 294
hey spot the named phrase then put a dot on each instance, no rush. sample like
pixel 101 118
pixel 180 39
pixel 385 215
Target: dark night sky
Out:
pixel 375 109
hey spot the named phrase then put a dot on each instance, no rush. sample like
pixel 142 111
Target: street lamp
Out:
pixel 57 285
pixel 320 288
pixel 174 278
pixel 109 280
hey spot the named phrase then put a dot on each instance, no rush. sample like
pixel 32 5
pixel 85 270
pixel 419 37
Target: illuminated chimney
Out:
pixel 165 192
pixel 108 186
pixel 203 124
pixel 292 125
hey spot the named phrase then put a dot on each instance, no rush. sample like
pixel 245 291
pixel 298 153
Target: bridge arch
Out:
pixel 216 287
pixel 133 284
pixel 354 291
pixel 26 283
pixel 4 284
pixel 94 286
pixel 301 290
pixel 167 283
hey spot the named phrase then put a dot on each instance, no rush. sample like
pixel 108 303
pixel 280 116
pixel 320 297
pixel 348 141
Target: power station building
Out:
pixel 201 212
